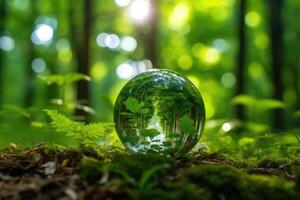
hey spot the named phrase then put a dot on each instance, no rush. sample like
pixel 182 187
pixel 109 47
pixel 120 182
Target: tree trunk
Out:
pixel 29 91
pixel 148 34
pixel 83 55
pixel 152 34
pixel 277 58
pixel 241 57
pixel 2 21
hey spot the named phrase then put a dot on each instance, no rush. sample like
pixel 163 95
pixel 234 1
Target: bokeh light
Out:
pixel 185 62
pixel 38 65
pixel 211 55
pixel 131 68
pixel 101 39
pixel 42 34
pixel 128 43
pixel 139 10
pixel 226 127
pixel 126 71
pixel 208 55
pixel 252 19
pixel 63 44
pixel 255 70
pixel 98 71
pixel 112 41
pixel 228 80
pixel 179 16
pixel 261 41
pixel 63 47
pixel 122 3
pixel 7 43
pixel 220 44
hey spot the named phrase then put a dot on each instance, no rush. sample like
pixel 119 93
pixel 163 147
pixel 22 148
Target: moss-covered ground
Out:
pixel 51 172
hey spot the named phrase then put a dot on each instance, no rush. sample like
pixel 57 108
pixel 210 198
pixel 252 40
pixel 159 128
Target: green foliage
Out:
pixel 154 177
pixel 83 133
pixel 136 172
pixel 133 105
pixel 16 110
pixel 263 104
pixel 63 100
pixel 186 125
pixel 63 79
pixel 150 133
pixel 222 181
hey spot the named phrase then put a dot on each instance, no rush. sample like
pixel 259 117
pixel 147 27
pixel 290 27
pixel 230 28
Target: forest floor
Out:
pixel 45 172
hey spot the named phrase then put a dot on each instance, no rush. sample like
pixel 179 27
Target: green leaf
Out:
pixel 83 133
pixel 96 130
pixel 63 79
pixel 61 123
pixel 271 104
pixel 262 104
pixel 133 104
pixel 245 100
pixel 144 111
pixel 186 124
pixel 150 133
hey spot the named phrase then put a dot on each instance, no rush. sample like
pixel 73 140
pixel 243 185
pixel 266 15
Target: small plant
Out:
pixel 63 80
pixel 65 84
pixel 84 134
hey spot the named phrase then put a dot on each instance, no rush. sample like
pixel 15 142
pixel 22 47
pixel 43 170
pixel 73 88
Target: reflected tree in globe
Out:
pixel 159 111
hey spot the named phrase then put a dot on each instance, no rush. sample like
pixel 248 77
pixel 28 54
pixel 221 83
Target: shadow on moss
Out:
pixel 139 176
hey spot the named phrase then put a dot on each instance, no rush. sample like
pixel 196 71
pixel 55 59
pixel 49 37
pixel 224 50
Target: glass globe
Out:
pixel 159 111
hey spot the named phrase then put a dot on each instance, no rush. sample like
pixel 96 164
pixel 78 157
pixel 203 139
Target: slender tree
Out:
pixel 81 48
pixel 147 33
pixel 241 56
pixel 29 91
pixel 2 21
pixel 276 31
pixel 151 51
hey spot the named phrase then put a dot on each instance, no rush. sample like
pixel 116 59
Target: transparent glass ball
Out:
pixel 159 111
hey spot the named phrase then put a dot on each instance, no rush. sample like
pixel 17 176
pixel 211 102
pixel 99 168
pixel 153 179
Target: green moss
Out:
pixel 90 169
pixel 137 164
pixel 226 182
pixel 142 176
pixel 219 181
pixel 270 187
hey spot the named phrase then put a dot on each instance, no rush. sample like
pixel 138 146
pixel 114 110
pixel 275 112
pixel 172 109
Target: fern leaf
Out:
pixel 61 123
pixel 96 130
pixel 83 133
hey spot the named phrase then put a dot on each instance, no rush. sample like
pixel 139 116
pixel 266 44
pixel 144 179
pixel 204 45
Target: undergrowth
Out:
pixel 84 134
pixel 223 165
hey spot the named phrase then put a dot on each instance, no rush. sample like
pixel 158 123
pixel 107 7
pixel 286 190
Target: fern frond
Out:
pixel 96 130
pixel 83 133
pixel 61 123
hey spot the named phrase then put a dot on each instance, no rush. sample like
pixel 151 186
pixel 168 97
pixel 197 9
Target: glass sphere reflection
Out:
pixel 159 111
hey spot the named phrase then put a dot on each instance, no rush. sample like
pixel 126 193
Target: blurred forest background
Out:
pixel 75 56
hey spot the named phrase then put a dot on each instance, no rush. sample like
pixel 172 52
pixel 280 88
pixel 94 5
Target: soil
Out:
pixel 40 173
